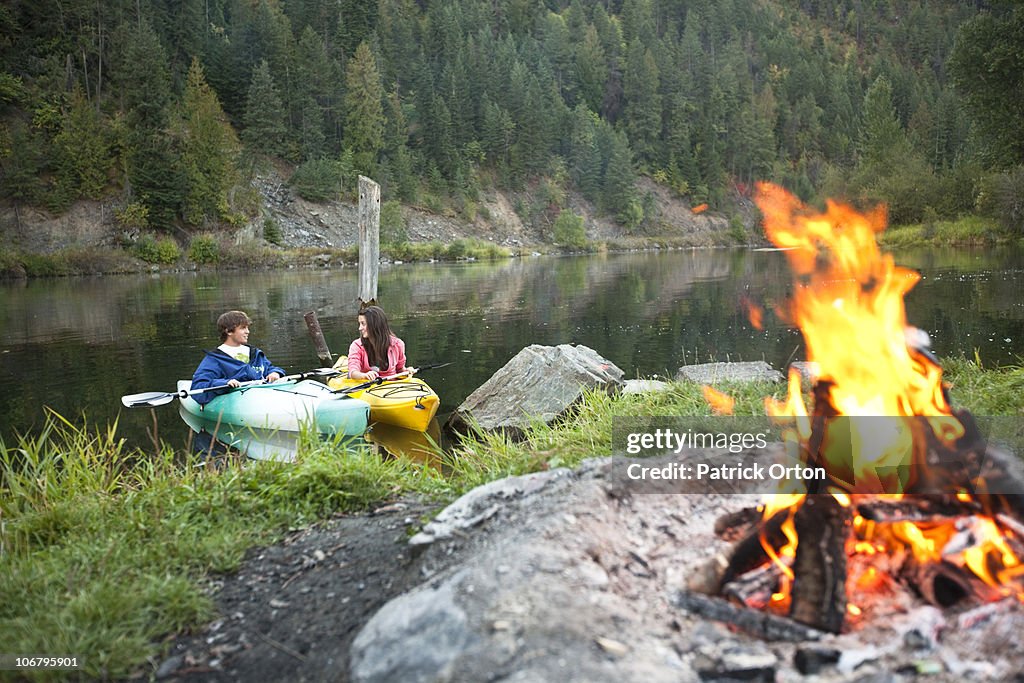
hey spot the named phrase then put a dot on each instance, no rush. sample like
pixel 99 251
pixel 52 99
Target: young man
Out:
pixel 234 361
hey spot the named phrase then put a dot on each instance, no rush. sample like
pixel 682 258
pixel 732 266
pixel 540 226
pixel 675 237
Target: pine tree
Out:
pixel 209 150
pixel 398 158
pixel 157 179
pixel 264 119
pixel 987 66
pixel 364 109
pixel 642 115
pixel 585 163
pixel 357 22
pixel 84 155
pixel 143 80
pixel 312 142
pixel 882 138
pixel 619 185
pixel 591 69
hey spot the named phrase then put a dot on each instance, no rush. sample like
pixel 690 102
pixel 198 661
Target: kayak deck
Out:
pixel 284 406
pixel 406 402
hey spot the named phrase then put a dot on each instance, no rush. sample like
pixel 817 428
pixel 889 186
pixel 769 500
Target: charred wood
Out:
pixel 944 584
pixel 755 588
pixel 819 568
pixel 916 508
pixel 740 557
pixel 732 526
pixel 762 624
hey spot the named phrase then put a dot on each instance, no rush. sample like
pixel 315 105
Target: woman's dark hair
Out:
pixel 378 336
pixel 227 322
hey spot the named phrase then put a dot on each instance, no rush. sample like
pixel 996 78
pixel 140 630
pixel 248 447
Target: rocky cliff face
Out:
pixel 335 224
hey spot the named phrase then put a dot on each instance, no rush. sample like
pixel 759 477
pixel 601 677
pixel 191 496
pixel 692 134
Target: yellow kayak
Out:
pixel 406 402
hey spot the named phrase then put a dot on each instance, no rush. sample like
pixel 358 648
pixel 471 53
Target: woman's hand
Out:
pixel 273 377
pixel 234 383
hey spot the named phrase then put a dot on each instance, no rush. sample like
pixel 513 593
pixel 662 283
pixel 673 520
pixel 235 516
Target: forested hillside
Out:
pixel 164 108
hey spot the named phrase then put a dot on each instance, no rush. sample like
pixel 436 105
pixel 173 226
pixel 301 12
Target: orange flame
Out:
pixel 720 403
pixel 700 208
pixel 848 303
pixel 754 312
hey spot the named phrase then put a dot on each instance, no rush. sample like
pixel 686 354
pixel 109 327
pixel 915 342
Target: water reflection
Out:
pixel 77 345
pixel 420 447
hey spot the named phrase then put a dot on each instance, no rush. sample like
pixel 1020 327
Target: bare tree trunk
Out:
pixel 369 240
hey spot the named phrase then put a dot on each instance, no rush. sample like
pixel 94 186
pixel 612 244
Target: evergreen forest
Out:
pixel 166 108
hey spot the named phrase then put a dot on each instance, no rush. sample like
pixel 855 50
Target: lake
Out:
pixel 77 345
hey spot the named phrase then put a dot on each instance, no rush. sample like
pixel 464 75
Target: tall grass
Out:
pixel 964 231
pixel 103 550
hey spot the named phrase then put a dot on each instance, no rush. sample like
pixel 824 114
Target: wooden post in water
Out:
pixel 369 240
pixel 317 335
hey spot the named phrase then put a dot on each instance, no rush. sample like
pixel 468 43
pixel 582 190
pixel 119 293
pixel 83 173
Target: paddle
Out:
pixel 380 380
pixel 152 399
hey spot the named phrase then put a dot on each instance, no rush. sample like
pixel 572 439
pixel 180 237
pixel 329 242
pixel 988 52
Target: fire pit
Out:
pixel 911 492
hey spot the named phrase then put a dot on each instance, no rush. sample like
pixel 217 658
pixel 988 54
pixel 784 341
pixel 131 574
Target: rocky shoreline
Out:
pixel 558 575
pixel 333 225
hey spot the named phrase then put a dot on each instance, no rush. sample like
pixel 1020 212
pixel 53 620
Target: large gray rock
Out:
pixel 566 576
pixel 711 373
pixel 540 382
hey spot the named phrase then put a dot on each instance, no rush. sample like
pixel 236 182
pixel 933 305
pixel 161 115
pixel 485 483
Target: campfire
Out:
pixel 913 497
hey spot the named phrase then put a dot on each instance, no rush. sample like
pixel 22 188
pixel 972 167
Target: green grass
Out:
pixel 104 551
pixel 964 231
pixel 991 391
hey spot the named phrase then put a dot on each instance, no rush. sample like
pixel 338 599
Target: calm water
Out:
pixel 78 345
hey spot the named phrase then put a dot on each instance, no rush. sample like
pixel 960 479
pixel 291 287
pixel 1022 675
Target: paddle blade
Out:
pixel 149 399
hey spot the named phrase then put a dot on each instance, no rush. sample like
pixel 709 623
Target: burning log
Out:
pixel 741 557
pixel 881 423
pixel 819 568
pixel 755 588
pixel 918 508
pixel 941 583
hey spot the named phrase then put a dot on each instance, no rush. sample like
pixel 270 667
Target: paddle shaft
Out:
pixel 380 380
pixel 154 399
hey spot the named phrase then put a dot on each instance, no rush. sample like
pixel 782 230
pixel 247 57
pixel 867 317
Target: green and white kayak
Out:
pixel 283 407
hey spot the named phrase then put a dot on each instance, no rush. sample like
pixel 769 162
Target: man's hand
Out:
pixel 273 377
pixel 234 383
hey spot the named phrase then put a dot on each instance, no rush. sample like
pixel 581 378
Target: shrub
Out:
pixel 11 266
pixel 737 230
pixel 457 249
pixel 133 215
pixel 272 231
pixel 204 249
pixel 393 228
pixel 631 216
pixel 318 180
pixel 569 230
pixel 151 250
pixel 1002 198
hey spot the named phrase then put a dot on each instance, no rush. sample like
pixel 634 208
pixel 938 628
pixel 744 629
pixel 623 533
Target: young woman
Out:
pixel 377 352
